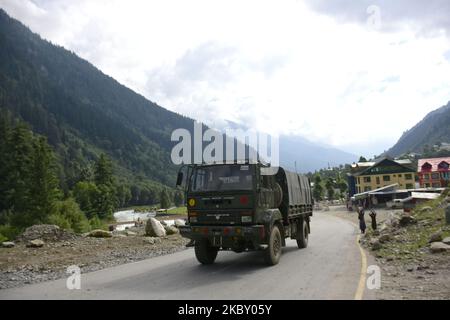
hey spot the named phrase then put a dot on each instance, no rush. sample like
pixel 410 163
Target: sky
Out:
pixel 351 74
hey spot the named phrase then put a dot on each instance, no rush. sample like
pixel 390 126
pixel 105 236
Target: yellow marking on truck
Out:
pixel 362 278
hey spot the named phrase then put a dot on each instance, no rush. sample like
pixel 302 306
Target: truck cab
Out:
pixel 236 206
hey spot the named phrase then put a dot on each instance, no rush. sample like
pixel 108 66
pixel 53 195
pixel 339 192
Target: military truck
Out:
pixel 236 207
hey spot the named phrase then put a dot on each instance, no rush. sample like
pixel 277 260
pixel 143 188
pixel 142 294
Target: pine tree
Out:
pixel 164 200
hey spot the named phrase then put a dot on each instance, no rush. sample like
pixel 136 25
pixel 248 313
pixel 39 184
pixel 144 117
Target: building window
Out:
pixel 366 179
pixel 427 185
pixel 408 176
pixel 386 178
pixel 359 181
pixel 409 186
pixel 367 189
pixel 399 175
pixel 378 180
pixel 445 175
pixel 426 176
pixel 435 176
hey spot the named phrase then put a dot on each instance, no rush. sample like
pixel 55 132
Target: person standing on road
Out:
pixel 373 216
pixel 362 222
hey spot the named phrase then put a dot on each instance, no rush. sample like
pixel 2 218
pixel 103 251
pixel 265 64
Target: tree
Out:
pixel 362 159
pixel 103 171
pixel 178 198
pixel 164 199
pixel 318 189
pixel 329 185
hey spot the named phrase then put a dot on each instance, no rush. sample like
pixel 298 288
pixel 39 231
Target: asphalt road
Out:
pixel 330 268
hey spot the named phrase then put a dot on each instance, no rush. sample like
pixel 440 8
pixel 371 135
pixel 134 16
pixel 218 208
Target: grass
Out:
pixel 178 211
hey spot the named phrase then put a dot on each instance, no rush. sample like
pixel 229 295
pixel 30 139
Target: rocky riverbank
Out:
pixel 23 263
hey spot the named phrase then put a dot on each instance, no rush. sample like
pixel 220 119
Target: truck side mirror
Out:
pixel 179 178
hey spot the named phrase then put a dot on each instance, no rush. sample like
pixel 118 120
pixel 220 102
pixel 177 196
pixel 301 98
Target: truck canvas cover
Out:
pixel 297 188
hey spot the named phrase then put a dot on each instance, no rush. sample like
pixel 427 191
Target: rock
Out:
pixel 164 223
pixel 406 220
pixel 154 228
pixel 376 245
pixel 130 233
pixel 171 230
pixel 436 237
pixel 152 240
pixel 37 243
pixel 384 238
pixel 437 247
pixel 179 223
pixel 120 235
pixel 46 232
pixel 376 232
pixel 426 209
pixel 446 240
pixel 98 233
pixel 8 244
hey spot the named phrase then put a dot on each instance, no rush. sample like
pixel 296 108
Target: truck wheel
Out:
pixel 273 253
pixel 302 234
pixel 204 252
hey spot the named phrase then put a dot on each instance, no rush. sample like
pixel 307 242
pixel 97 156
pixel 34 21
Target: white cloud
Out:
pixel 275 66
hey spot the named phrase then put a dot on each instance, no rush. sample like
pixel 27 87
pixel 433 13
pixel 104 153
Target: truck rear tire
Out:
pixel 302 234
pixel 204 252
pixel 273 253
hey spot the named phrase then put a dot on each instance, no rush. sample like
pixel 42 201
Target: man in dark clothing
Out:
pixel 373 216
pixel 362 222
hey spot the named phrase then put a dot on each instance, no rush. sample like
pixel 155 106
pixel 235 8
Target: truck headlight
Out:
pixel 246 219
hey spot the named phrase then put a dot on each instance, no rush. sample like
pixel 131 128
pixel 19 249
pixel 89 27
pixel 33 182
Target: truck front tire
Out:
pixel 273 252
pixel 204 252
pixel 302 234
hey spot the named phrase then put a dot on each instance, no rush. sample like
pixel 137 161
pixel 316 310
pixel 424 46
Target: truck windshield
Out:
pixel 222 177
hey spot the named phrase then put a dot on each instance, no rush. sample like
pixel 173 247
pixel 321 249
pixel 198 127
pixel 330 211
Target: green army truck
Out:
pixel 236 207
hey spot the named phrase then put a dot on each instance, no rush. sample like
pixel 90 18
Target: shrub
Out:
pixel 67 215
pixel 96 223
pixel 8 232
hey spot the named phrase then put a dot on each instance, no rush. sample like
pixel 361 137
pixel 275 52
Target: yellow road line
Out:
pixel 362 279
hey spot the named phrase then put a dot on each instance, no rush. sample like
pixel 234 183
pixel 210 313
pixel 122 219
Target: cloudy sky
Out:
pixel 352 74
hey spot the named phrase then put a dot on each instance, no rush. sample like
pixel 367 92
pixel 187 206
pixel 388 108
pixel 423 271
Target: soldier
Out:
pixel 362 222
pixel 373 216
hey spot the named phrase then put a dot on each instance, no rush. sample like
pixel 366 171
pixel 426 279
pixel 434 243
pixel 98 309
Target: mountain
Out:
pixel 310 156
pixel 297 152
pixel 82 111
pixel 434 128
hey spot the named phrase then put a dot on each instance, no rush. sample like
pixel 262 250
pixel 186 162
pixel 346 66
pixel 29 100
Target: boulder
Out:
pixel 376 245
pixel 437 247
pixel 152 240
pixel 154 228
pixel 406 220
pixel 37 243
pixel 98 233
pixel 179 222
pixel 384 238
pixel 164 223
pixel 446 240
pixel 436 237
pixel 171 230
pixel 8 244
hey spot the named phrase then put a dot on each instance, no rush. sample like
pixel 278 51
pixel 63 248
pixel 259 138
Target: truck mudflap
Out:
pixel 226 236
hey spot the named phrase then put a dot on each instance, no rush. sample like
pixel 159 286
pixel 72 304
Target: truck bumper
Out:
pixel 227 236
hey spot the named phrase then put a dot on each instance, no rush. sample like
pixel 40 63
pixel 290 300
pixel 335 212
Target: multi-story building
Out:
pixel 368 176
pixel 434 172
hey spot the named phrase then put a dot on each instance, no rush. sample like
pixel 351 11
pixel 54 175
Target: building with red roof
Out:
pixel 434 172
